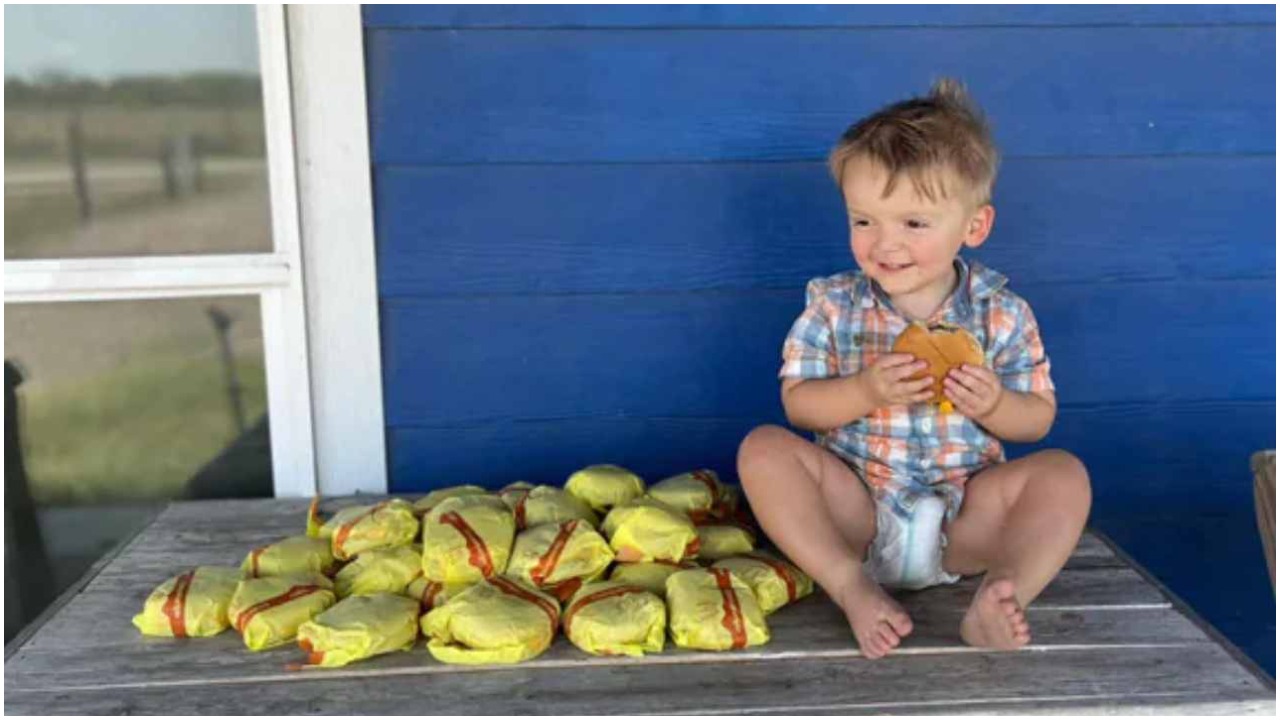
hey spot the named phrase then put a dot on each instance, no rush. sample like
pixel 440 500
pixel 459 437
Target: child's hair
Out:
pixel 920 135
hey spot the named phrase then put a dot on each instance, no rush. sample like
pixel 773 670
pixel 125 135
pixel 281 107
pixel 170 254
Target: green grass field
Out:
pixel 136 433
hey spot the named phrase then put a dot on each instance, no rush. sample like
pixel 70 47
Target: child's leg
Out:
pixel 819 513
pixel 1019 522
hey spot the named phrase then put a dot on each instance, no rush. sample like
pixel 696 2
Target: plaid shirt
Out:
pixel 903 450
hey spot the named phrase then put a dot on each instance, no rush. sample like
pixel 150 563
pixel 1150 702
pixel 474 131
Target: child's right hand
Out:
pixel 886 380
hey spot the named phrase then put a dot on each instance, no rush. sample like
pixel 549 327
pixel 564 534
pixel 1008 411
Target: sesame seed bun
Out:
pixel 943 346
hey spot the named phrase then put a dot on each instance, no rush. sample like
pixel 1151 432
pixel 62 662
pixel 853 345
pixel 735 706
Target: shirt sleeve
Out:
pixel 809 350
pixel 1020 359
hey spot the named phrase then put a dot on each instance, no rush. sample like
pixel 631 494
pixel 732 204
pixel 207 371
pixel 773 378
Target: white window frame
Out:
pixel 320 335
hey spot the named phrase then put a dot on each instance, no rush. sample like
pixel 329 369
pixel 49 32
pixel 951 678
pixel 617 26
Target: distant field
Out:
pixel 133 434
pixel 42 216
pixel 119 131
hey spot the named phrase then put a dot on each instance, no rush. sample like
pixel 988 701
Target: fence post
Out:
pixel 80 178
pixel 222 324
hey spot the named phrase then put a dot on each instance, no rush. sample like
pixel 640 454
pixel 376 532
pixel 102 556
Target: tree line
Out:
pixel 212 89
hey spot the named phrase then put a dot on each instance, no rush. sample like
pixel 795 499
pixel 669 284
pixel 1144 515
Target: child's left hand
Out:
pixel 975 391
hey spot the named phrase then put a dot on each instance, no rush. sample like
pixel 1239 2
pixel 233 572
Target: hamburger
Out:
pixel 944 347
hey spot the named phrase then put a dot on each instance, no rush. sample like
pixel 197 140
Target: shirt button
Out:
pixel 927 424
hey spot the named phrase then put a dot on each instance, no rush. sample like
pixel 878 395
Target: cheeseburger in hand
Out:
pixel 944 347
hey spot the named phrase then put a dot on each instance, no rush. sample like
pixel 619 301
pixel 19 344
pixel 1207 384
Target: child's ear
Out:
pixel 979 225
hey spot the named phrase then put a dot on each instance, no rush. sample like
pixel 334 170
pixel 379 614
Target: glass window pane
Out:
pixel 133 130
pixel 121 406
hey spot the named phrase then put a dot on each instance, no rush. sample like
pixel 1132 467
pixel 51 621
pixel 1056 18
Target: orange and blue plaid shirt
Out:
pixel 849 321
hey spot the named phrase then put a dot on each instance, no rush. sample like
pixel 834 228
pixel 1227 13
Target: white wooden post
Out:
pixel 331 137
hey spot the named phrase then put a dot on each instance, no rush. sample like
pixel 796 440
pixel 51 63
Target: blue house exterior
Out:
pixel 594 226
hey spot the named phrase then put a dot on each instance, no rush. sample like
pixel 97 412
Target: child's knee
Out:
pixel 761 445
pixel 1070 474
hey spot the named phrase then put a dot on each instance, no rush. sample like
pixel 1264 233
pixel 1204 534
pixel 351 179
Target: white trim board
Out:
pixel 284 318
pixel 326 47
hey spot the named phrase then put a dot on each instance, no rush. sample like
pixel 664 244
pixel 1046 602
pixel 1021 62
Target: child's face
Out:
pixel 905 241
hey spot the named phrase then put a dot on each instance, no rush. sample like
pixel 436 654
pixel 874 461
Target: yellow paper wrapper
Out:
pixel 693 493
pixel 604 486
pixel 711 609
pixel 267 611
pixel 292 555
pixel 368 527
pixel 774 581
pixel 387 570
pixel 498 620
pixel 616 618
pixel 545 504
pixel 651 576
pixel 359 627
pixel 548 555
pixel 424 505
pixel 193 604
pixel 512 493
pixel 722 541
pixel 645 530
pixel 727 505
pixel 467 539
pixel 431 594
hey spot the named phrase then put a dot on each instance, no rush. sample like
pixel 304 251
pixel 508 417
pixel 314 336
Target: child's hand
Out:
pixel 975 391
pixel 886 380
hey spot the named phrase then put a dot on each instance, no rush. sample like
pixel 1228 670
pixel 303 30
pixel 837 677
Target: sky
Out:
pixel 104 41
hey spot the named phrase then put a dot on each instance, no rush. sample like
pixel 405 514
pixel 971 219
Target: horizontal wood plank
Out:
pixel 1084 677
pixel 89 659
pixel 571 96
pixel 224 533
pixel 536 229
pixel 813 628
pixel 766 16
pixel 717 354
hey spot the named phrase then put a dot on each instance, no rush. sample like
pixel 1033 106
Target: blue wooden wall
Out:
pixel 594 227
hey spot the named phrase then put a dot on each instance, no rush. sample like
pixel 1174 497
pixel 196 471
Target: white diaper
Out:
pixel 907 550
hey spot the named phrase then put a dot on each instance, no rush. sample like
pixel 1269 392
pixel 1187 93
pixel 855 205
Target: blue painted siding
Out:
pixel 594 226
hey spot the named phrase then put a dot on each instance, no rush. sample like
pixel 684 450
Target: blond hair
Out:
pixel 922 135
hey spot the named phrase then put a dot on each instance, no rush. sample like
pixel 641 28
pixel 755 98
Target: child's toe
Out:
pixel 888 637
pixel 901 623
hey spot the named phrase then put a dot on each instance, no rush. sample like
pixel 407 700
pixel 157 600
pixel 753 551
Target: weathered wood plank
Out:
pixel 1170 703
pixel 55 607
pixel 1084 678
pixel 222 532
pixel 813 628
pixel 120 590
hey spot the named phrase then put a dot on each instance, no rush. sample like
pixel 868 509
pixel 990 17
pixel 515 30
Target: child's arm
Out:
pixel 823 404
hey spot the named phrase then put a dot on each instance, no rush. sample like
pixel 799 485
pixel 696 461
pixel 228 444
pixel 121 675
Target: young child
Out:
pixel 896 492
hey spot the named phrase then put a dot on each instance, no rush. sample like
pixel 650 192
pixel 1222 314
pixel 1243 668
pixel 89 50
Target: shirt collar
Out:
pixel 976 282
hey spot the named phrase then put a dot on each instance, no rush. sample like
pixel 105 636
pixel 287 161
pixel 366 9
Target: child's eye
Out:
pixel 917 224
pixel 859 223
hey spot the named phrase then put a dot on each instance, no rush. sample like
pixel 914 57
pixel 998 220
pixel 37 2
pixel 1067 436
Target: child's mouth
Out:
pixel 892 268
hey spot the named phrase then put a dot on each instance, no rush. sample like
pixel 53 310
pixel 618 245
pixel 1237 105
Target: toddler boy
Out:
pixel 894 491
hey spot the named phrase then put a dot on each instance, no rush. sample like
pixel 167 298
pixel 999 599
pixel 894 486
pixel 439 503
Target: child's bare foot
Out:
pixel 877 621
pixel 994 619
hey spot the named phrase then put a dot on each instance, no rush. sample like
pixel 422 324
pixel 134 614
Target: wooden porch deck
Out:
pixel 1105 639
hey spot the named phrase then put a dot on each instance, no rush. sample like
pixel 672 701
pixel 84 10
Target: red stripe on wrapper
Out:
pixel 175 606
pixel 293 593
pixel 597 597
pixel 547 563
pixel 733 620
pixel 514 590
pixel 479 552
